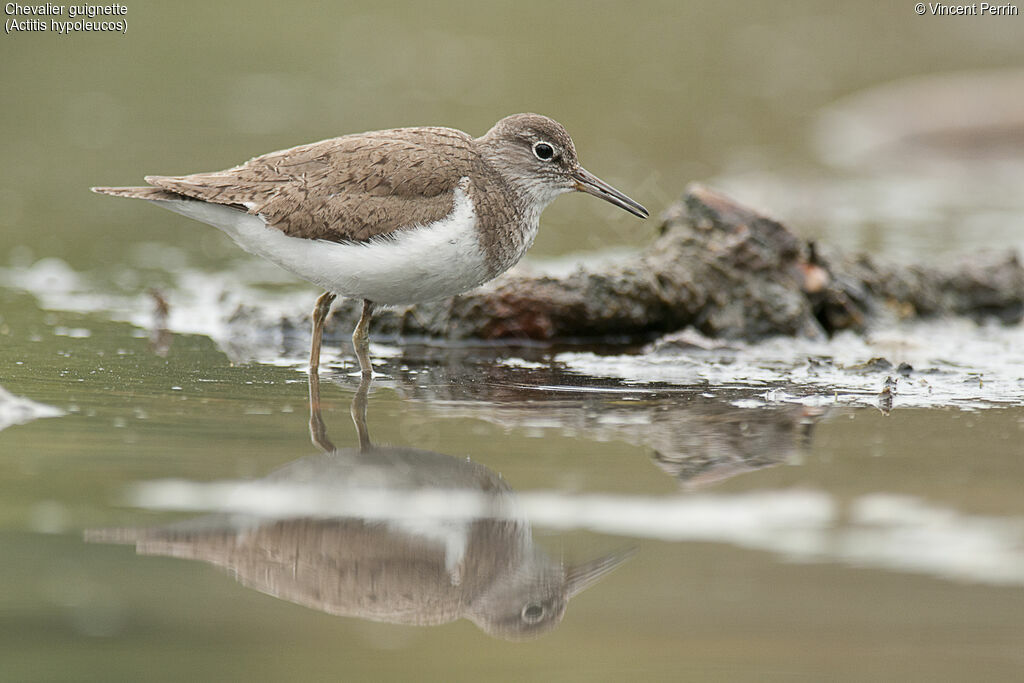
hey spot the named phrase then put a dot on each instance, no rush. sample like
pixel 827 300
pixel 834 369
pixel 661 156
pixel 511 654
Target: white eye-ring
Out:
pixel 533 612
pixel 543 151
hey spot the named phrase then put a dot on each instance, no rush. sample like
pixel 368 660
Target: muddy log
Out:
pixel 726 271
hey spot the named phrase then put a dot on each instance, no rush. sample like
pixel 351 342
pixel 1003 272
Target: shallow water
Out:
pixel 754 533
pixel 846 509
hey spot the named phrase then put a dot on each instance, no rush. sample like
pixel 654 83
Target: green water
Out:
pixel 912 572
pixel 705 609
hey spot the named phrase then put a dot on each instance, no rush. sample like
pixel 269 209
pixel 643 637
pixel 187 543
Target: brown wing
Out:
pixel 345 189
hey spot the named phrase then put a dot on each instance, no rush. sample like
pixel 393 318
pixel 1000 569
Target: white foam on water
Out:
pixel 18 410
pixel 955 361
pixel 893 532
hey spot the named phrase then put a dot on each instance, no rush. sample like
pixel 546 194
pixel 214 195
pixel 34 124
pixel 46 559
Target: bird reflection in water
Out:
pixel 419 571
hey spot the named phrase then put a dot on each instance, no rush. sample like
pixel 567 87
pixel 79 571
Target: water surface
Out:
pixel 746 512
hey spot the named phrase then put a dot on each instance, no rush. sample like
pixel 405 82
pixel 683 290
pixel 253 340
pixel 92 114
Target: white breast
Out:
pixel 419 264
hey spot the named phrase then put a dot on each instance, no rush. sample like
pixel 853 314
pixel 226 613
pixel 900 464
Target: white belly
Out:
pixel 433 261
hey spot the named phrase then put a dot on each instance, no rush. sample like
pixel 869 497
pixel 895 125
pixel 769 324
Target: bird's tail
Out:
pixel 114 535
pixel 151 193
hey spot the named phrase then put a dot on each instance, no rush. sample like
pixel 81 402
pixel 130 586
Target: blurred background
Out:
pixel 656 94
pixel 827 540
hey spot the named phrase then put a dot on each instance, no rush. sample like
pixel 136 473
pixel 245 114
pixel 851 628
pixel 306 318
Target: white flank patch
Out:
pixel 418 264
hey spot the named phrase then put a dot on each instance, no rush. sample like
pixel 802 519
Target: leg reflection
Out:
pixel 358 411
pixel 317 427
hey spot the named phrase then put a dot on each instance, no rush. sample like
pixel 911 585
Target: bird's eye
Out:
pixel 533 612
pixel 543 151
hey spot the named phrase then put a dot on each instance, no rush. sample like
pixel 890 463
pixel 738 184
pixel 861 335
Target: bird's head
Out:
pixel 536 154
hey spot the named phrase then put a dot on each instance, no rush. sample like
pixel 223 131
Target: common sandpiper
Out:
pixel 391 217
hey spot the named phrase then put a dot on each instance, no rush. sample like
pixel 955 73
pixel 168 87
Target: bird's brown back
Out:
pixel 347 189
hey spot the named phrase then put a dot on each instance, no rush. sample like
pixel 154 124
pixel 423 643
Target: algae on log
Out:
pixel 721 268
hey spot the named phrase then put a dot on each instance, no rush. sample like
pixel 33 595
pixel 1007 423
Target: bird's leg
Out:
pixel 361 339
pixel 323 307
